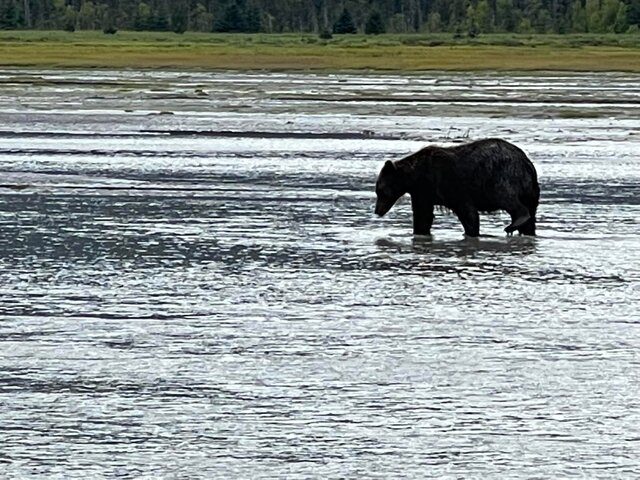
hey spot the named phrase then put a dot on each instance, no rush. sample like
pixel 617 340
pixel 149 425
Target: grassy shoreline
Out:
pixel 407 53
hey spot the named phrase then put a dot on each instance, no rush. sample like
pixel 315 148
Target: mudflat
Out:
pixel 179 299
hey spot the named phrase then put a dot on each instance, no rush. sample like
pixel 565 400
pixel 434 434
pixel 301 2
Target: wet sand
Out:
pixel 208 294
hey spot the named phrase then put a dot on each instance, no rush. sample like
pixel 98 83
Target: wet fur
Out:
pixel 482 176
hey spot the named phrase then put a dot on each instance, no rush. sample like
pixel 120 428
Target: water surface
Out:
pixel 194 285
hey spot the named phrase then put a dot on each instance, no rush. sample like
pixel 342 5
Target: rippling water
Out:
pixel 194 285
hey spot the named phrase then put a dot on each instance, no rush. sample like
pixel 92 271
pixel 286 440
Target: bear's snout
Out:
pixel 381 208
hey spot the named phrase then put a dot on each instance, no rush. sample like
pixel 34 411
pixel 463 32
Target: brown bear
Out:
pixel 482 176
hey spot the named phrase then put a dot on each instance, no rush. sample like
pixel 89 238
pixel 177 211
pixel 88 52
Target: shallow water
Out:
pixel 194 285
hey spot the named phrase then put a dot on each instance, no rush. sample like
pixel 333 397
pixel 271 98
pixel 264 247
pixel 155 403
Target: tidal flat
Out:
pixel 194 284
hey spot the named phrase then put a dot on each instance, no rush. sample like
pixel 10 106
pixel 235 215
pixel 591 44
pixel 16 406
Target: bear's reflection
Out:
pixel 430 244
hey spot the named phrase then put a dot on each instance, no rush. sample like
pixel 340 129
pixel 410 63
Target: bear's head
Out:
pixel 389 187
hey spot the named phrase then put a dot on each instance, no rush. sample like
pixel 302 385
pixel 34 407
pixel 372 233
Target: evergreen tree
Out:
pixel 253 24
pixel 538 16
pixel 88 17
pixel 505 15
pixel 344 24
pixel 201 19
pixel 470 22
pixel 441 7
pixel 158 23
pixel 109 20
pixel 621 24
pixel 592 12
pixel 457 14
pixel 434 23
pixel 69 19
pixel 608 13
pixel 484 16
pixel 633 12
pixel 179 17
pixel 578 17
pixel 8 15
pixel 375 16
pixel 375 24
pixel 232 20
pixel 142 19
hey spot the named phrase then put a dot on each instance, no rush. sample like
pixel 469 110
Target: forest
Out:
pixel 325 17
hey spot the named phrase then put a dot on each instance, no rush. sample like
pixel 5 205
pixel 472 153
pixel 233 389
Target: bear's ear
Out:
pixel 389 165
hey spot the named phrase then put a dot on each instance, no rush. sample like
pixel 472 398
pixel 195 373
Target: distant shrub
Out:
pixel 509 42
pixel 416 41
pixel 586 41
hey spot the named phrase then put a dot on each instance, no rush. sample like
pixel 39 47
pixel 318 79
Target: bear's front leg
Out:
pixel 422 216
pixel 470 219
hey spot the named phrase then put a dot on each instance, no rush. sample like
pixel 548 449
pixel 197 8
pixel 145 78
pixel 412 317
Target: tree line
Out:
pixel 470 17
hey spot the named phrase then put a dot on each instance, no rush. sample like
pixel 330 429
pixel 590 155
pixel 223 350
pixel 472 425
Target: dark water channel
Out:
pixel 193 284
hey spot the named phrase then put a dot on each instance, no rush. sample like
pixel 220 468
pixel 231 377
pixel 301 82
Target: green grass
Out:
pixel 415 52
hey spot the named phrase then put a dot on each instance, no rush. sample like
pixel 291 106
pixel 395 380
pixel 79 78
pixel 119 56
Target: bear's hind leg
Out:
pixel 519 217
pixel 470 219
pixel 529 228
